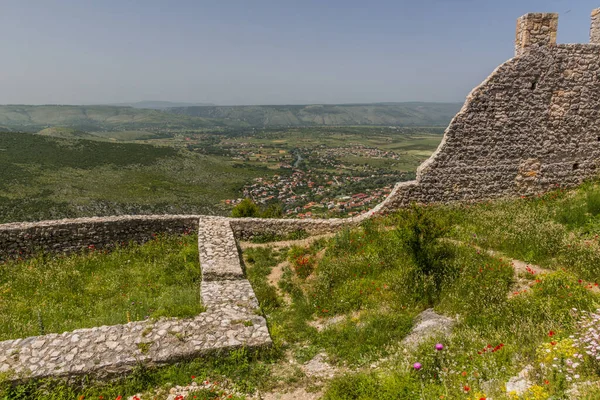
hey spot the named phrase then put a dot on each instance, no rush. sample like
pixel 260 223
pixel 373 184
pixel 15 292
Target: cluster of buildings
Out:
pixel 308 194
pixel 359 151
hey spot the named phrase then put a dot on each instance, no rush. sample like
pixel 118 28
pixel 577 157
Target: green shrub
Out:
pixel 273 210
pixel 245 209
pixel 420 231
pixel 592 201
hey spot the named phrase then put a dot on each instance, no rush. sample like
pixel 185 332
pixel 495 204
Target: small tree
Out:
pixel 247 208
pixel 274 210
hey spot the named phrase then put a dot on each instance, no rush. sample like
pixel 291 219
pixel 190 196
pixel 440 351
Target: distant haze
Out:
pixel 236 52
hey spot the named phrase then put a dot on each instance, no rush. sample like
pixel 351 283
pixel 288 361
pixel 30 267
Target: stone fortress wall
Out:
pixel 531 125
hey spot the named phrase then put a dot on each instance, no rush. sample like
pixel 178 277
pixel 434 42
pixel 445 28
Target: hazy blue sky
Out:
pixel 261 51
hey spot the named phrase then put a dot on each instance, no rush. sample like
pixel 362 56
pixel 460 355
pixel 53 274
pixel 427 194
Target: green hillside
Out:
pixel 399 114
pixel 47 178
pixel 65 133
pixel 27 118
pixel 92 118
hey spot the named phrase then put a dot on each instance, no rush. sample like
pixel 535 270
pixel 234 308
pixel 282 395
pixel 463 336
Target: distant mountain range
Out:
pixel 121 118
pixel 93 118
pixel 402 114
pixel 158 105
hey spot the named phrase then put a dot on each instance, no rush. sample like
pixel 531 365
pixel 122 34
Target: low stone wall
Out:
pixel 230 321
pixel 72 235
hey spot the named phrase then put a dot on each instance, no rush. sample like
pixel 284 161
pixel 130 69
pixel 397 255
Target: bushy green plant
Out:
pixel 592 201
pixel 273 210
pixel 420 231
pixel 245 209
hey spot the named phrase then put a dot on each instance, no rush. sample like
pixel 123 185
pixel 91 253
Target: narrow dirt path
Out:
pixel 286 243
pixel 522 269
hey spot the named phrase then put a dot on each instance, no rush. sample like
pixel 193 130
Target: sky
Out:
pixel 235 52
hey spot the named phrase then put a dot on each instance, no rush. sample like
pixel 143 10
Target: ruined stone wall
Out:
pixel 231 320
pixel 532 125
pixel 71 235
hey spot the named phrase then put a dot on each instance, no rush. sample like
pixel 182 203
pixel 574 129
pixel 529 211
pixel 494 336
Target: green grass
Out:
pixel 559 230
pixel 354 298
pixel 50 293
pixel 375 279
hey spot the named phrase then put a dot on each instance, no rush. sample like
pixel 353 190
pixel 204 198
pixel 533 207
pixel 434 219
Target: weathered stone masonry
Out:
pixel 69 235
pixel 531 125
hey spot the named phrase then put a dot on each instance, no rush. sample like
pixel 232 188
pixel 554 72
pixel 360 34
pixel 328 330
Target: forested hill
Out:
pixel 401 114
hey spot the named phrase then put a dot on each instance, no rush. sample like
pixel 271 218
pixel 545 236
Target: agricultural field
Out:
pixel 56 293
pixel 511 285
pixel 309 172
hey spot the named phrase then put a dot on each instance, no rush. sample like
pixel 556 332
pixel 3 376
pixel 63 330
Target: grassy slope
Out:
pixel 46 178
pixel 134 282
pixel 370 280
pixel 363 277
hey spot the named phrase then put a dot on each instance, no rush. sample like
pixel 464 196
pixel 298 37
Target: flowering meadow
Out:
pixel 518 334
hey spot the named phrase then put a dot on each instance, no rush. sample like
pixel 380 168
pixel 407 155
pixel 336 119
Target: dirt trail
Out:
pixel 286 243
pixel 522 269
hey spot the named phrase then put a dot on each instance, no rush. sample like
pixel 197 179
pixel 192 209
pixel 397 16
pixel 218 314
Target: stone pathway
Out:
pixel 230 321
pixel 218 250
